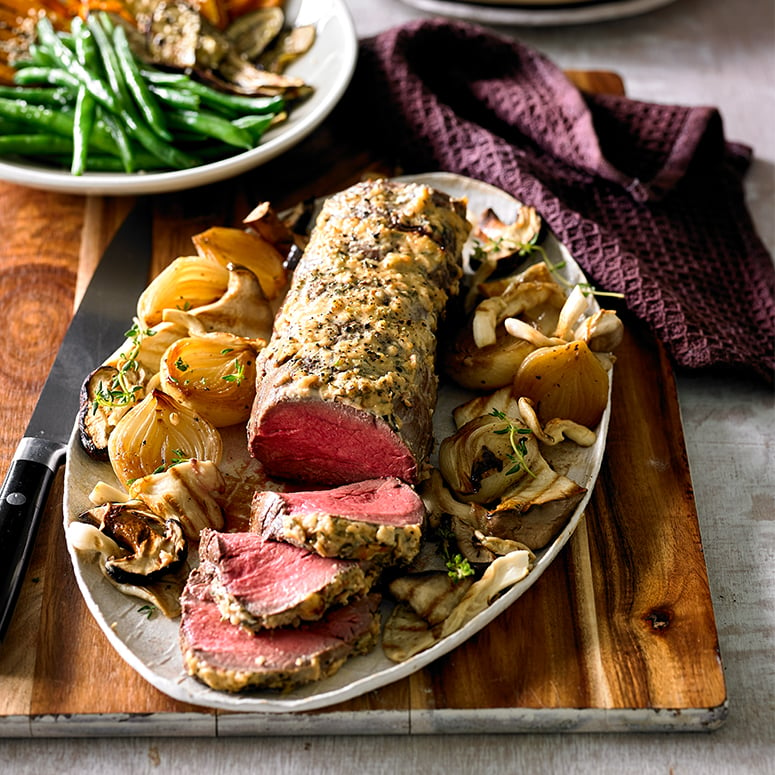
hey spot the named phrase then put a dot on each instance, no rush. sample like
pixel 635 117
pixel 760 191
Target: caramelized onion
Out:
pixel 157 432
pixel 566 381
pixel 188 282
pixel 214 374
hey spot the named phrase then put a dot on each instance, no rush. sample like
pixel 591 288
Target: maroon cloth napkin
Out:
pixel 648 198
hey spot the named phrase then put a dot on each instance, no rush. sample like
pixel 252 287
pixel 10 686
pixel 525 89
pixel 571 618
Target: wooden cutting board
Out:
pixel 618 634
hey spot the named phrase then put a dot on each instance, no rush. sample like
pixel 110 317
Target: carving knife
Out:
pixel 96 330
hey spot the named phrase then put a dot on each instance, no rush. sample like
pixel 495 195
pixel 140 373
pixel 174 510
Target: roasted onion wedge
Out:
pixel 158 432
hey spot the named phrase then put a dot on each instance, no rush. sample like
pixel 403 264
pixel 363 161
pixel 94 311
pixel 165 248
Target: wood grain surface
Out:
pixel 619 633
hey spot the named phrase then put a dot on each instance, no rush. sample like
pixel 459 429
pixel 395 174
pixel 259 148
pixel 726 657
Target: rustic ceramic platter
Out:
pixel 328 67
pixel 150 646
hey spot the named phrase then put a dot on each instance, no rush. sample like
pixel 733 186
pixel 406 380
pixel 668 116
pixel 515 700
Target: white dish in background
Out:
pixel 151 647
pixel 328 67
pixel 543 15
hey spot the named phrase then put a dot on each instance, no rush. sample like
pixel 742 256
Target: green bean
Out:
pixel 122 103
pixel 238 103
pixel 42 95
pixel 176 98
pixel 39 144
pixel 36 57
pixel 144 99
pixel 50 121
pixel 48 38
pixel 136 129
pixel 85 105
pixel 120 139
pixel 231 103
pixel 211 125
pixel 83 123
pixel 255 125
pixel 54 76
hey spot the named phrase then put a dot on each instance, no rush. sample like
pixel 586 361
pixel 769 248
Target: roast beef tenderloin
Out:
pixel 377 520
pixel 230 658
pixel 265 584
pixel 346 387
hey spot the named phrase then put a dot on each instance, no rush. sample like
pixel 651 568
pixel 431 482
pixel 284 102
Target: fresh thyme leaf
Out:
pixel 181 365
pixel 147 610
pixel 519 445
pixel 237 375
pixel 119 391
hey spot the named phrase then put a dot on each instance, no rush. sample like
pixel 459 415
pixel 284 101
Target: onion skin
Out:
pixel 566 381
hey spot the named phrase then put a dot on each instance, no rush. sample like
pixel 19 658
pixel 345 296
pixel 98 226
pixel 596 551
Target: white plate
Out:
pixel 151 646
pixel 328 67
pixel 521 14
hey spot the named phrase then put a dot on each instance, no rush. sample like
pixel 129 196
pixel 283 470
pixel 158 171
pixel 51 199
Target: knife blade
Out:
pixel 96 330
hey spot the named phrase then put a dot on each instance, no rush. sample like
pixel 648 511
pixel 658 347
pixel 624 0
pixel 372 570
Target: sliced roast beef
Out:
pixel 230 658
pixel 266 584
pixel 346 387
pixel 379 520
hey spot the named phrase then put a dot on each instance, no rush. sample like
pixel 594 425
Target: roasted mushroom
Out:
pixel 188 492
pixel 149 547
pixel 102 405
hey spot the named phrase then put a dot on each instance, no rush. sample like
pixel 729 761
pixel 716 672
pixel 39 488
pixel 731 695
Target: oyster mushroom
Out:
pixel 503 246
pixel 188 492
pixel 242 310
pixel 603 331
pixel 555 430
pixel 519 298
pixel 149 547
pixel 534 511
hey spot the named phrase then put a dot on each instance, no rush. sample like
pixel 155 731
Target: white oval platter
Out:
pixel 150 646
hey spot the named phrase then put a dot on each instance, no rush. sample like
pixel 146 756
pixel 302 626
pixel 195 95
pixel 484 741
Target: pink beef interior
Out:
pixel 386 501
pixel 268 576
pixel 230 647
pixel 329 443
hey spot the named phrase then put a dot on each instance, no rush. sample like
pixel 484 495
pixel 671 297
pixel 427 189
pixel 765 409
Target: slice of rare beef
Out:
pixel 346 387
pixel 230 658
pixel 265 584
pixel 378 520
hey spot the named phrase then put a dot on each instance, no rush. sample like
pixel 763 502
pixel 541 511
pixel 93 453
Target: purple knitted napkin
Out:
pixel 648 198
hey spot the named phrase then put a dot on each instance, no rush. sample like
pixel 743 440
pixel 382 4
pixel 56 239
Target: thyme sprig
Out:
pixel 120 390
pixel 237 375
pixel 525 249
pixel 518 441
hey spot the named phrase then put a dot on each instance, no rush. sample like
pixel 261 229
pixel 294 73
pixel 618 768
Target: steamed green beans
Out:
pixel 84 96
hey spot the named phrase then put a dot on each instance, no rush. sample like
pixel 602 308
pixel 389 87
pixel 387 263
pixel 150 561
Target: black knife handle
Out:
pixel 22 500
